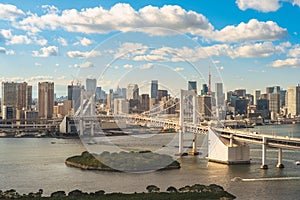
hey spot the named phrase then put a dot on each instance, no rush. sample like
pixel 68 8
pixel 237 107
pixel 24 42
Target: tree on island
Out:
pixel 152 188
pixel 171 189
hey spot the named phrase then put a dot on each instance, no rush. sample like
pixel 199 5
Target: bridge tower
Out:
pixel 185 97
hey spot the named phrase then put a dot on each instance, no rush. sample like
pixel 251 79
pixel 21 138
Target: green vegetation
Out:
pixel 123 161
pixel 196 191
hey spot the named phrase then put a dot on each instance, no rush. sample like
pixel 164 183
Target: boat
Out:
pixel 297 162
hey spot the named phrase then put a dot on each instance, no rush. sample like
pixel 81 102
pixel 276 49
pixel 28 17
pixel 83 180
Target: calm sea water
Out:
pixel 27 164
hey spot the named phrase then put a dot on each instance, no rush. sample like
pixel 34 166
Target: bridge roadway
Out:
pixel 144 120
pixel 257 138
pixel 242 136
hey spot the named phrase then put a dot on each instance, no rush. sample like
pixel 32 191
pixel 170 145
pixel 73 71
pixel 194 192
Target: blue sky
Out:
pixel 248 44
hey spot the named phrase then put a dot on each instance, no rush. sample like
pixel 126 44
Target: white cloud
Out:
pixel 50 9
pixel 46 52
pixel 87 65
pixel 146 66
pixel 128 49
pixel 128 66
pixel 41 42
pixel 62 41
pixel 6 33
pixel 260 5
pixel 295 51
pixel 254 30
pixel 5 51
pixel 120 17
pixel 177 69
pixel 152 58
pixel 84 42
pixel 80 54
pixel 296 2
pixel 10 12
pixel 37 64
pixel 289 62
pixel 39 78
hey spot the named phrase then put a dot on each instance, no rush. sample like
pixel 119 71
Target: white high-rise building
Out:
pixel 256 96
pixel 132 92
pixel 121 106
pixel 293 100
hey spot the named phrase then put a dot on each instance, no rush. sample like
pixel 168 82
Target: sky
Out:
pixel 247 44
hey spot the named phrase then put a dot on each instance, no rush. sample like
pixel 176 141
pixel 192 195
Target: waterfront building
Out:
pixel 45 99
pixel 29 97
pixel 293 100
pixel 256 96
pixel 154 89
pixel 15 96
pixel 274 102
pixel 241 105
pixel 263 108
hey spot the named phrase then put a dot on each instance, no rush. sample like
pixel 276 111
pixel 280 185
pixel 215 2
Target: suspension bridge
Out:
pixel 225 145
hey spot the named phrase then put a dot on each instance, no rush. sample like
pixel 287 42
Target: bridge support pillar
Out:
pixel 180 148
pixel 280 165
pixel 263 156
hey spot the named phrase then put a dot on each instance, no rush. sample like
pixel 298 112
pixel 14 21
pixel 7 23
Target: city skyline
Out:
pixel 255 41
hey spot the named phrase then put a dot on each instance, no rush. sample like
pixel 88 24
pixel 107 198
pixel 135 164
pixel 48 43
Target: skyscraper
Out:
pixel 74 93
pixel 132 92
pixel 274 102
pixel 256 95
pixel 15 97
pixel 29 96
pixel 220 96
pixel 154 89
pixel 204 90
pixel 45 99
pixel 91 85
pixel 293 100
pixel 192 85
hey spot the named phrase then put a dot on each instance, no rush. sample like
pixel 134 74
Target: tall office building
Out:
pixel 74 93
pixel 205 105
pixel 15 97
pixel 240 92
pixel 274 102
pixel 132 92
pixel 220 96
pixel 45 99
pixel 293 100
pixel 29 97
pixel 192 85
pixel 91 85
pixel 154 89
pixel 256 96
pixel 161 94
pixel 121 106
pixel 144 102
pixel 204 90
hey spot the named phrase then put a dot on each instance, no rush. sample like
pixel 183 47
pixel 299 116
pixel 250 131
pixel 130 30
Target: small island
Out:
pixel 123 161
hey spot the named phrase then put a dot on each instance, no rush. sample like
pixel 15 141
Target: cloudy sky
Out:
pixel 250 44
